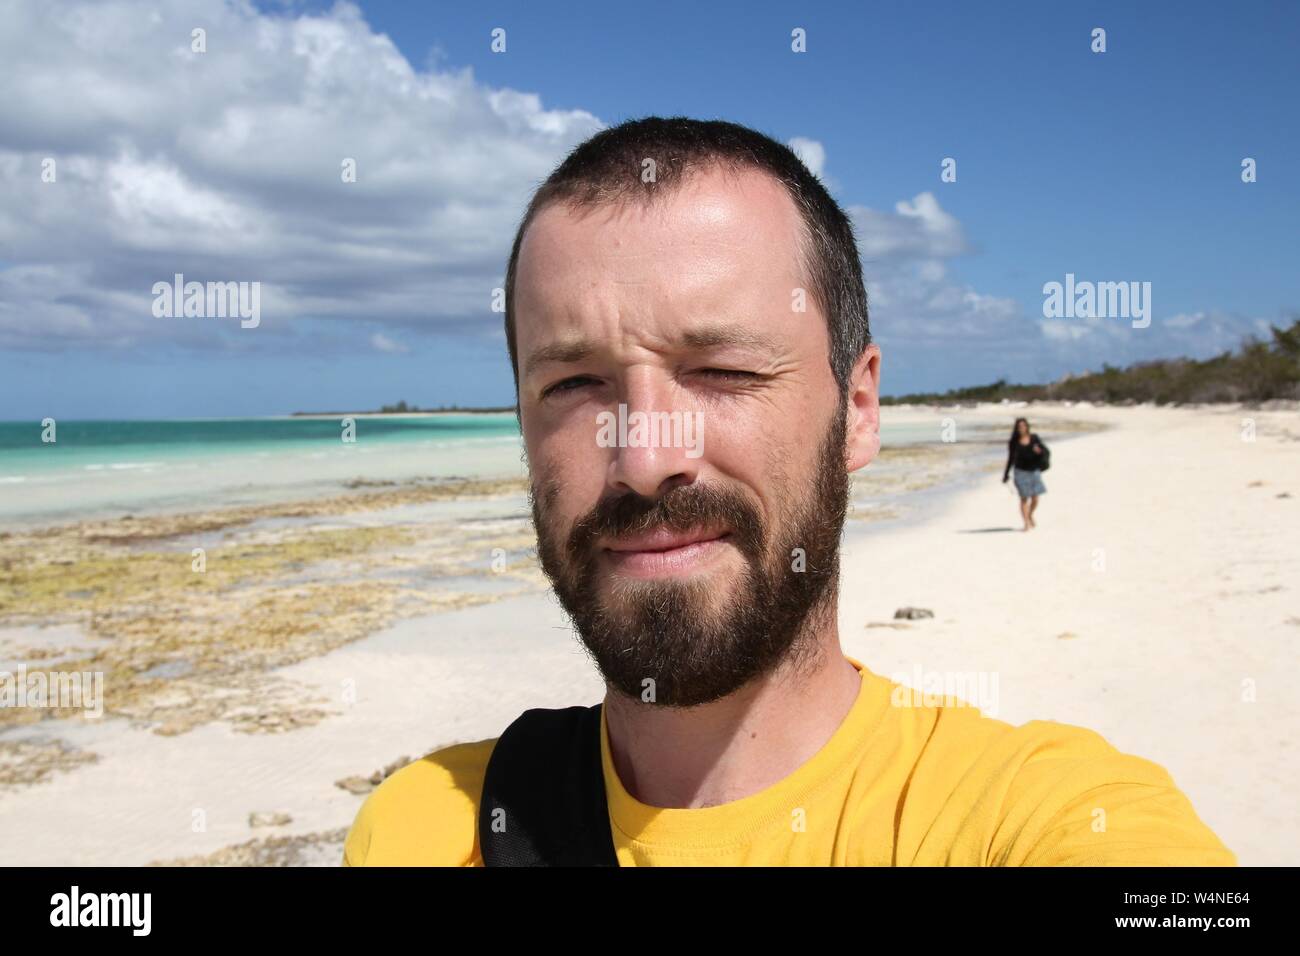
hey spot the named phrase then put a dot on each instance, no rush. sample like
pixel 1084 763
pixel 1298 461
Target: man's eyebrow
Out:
pixel 713 336
pixel 702 337
pixel 570 350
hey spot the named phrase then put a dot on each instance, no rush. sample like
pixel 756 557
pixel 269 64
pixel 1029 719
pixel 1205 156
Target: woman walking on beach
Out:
pixel 1028 456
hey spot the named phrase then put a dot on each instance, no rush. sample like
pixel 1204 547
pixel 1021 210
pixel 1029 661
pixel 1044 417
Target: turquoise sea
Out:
pixel 106 468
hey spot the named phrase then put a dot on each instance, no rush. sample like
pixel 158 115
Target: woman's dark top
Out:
pixel 1023 456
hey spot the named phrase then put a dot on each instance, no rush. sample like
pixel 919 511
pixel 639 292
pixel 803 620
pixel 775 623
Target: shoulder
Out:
pixel 1049 794
pixel 425 814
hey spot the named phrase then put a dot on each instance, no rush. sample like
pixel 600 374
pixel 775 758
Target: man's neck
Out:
pixel 739 745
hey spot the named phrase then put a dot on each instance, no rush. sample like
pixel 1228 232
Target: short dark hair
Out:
pixel 608 168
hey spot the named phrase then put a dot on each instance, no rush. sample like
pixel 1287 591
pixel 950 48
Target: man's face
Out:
pixel 695 567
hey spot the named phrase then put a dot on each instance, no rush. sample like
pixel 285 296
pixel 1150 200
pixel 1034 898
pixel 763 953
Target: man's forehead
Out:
pixel 746 211
pixel 720 245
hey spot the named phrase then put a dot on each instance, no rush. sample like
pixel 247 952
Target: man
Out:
pixel 698 269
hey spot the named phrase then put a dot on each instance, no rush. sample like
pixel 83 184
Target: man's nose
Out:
pixel 655 456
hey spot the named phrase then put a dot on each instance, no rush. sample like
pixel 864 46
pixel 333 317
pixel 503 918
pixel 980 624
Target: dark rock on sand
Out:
pixel 912 613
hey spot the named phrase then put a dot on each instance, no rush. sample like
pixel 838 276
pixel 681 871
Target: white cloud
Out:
pixel 226 165
pixel 1088 343
pixel 811 152
pixel 382 343
pixel 1061 331
pixel 916 229
pixel 915 305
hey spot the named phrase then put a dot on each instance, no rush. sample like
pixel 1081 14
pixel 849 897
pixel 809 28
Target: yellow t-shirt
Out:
pixel 894 786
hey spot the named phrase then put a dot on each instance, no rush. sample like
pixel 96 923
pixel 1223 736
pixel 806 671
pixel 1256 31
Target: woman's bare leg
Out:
pixel 1024 513
pixel 1033 503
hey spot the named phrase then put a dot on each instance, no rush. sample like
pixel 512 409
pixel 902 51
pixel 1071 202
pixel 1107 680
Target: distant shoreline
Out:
pixel 1275 404
pixel 408 413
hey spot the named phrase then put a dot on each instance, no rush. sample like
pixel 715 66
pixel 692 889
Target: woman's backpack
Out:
pixel 1046 457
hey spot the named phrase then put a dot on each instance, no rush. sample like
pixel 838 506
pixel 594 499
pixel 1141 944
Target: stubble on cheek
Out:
pixel 543 495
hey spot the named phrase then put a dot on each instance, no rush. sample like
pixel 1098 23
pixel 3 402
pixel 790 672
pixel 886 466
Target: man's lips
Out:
pixel 663 539
pixel 663 551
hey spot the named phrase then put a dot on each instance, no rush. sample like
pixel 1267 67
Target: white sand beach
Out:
pixel 1158 603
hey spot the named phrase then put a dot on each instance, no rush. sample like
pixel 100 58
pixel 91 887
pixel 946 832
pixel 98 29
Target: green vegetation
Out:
pixel 1258 371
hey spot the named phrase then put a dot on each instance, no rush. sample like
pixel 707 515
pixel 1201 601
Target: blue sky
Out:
pixel 1119 166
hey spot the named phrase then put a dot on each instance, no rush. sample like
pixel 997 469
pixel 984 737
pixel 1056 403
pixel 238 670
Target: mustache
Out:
pixel 682 508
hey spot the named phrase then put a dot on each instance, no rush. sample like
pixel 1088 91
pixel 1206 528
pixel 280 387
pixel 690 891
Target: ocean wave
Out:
pixel 122 465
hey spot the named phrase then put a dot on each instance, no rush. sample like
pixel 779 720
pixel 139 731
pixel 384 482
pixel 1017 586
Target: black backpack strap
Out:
pixel 543 801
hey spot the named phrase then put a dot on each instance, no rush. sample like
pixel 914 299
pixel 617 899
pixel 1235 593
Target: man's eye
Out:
pixel 568 385
pixel 728 374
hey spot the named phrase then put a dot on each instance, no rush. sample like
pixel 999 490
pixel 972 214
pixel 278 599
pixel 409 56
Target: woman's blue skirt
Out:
pixel 1028 483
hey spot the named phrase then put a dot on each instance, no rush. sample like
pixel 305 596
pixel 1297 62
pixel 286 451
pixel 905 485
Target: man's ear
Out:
pixel 862 435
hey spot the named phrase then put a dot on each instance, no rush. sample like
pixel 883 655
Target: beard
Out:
pixel 695 640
